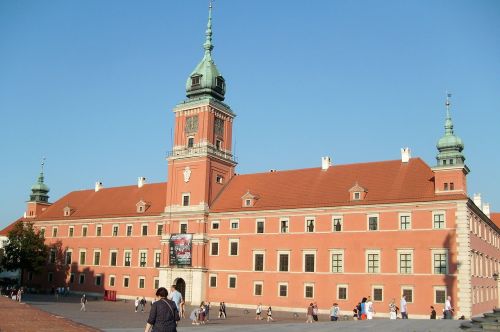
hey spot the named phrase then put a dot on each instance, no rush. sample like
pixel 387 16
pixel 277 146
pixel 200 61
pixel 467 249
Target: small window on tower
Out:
pixel 219 179
pixel 452 186
pixel 185 199
pixel 446 186
pixel 451 161
pixel 219 82
pixel 444 162
pixel 218 144
pixel 190 142
pixel 196 80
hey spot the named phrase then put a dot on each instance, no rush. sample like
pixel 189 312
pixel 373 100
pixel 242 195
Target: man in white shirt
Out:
pixel 402 307
pixel 176 296
pixel 448 309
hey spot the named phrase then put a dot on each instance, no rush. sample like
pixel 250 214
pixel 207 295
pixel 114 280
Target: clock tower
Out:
pixel 199 165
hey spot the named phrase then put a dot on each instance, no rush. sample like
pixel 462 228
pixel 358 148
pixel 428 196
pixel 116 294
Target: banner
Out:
pixel 180 249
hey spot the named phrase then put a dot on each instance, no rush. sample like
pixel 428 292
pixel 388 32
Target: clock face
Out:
pixel 191 124
pixel 219 127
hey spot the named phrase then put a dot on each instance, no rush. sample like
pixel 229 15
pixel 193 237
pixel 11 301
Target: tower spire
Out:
pixel 208 46
pixel 40 190
pixel 449 146
pixel 448 125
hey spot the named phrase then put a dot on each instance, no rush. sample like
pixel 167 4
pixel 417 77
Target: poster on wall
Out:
pixel 180 249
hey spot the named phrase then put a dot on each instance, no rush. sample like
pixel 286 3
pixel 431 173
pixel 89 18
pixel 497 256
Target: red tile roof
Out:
pixel 385 182
pixel 109 202
pixel 6 230
pixel 495 217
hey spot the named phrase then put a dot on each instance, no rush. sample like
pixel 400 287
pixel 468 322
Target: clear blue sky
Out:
pixel 91 85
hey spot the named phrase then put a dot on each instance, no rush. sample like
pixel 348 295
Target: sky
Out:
pixel 90 85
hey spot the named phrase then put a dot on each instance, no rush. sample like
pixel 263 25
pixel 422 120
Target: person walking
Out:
pixel 402 307
pixel 201 313
pixel 136 303
pixel 310 313
pixel 315 312
pixel 363 308
pixel 83 302
pixel 224 310
pixel 207 311
pixel 448 309
pixel 176 296
pixel 393 308
pixel 334 312
pixel 164 315
pixel 433 312
pixel 269 314
pixel 258 312
pixel 143 303
pixel 370 311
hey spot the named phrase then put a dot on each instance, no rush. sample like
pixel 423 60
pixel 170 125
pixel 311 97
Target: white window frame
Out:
pixel 126 277
pixel 147 229
pixel 188 195
pixel 346 286
pixel 112 277
pixel 113 230
pixel 111 254
pixel 341 218
pixel 229 281
pixel 210 276
pixel 336 252
pixel 218 247
pixel 42 231
pixel 234 222
pixel 287 227
pixel 356 196
pixel 282 252
pixel 93 257
pixel 215 222
pixel 55 231
pixel 306 220
pixel 80 257
pixel 180 226
pixel 131 230
pixel 66 256
pixel 139 282
pixel 257 221
pixel 259 252
pixel 125 255
pixel 405 251
pixel 403 287
pixel 86 233
pixel 139 260
pixel 279 289
pixel 440 288
pixel 373 292
pixel 405 214
pixel 261 283
pixel 443 212
pixel 229 247
pixel 158 227
pixel 440 251
pixel 370 252
pixel 373 215
pixel 155 253
pixel 71 231
pixel 98 226
pixel 309 284
pixel 309 252
pixel 95 279
pixel 156 283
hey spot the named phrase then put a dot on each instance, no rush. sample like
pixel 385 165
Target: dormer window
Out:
pixel 142 206
pixel 248 200
pixel 357 192
pixel 196 80
pixel 356 196
pixel 219 82
pixel 67 211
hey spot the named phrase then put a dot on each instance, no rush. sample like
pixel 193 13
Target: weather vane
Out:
pixel 448 96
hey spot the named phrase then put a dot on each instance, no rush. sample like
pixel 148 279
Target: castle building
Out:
pixel 334 233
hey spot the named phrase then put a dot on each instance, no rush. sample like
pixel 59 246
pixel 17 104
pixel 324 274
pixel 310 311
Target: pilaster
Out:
pixel 464 291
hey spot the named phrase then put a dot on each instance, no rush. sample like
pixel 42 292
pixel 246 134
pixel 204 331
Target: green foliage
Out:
pixel 26 249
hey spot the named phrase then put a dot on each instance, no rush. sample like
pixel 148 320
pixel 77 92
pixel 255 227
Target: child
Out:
pixel 269 314
pixel 433 313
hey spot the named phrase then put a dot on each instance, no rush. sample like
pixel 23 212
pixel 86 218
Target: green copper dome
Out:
pixel 450 146
pixel 40 190
pixel 206 80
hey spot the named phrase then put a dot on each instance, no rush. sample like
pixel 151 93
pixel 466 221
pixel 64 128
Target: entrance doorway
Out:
pixel 180 284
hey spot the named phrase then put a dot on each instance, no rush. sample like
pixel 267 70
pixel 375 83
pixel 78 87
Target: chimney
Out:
pixel 98 186
pixel 326 162
pixel 486 210
pixel 141 181
pixel 405 155
pixel 477 200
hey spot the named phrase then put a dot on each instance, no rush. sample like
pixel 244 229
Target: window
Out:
pixel 54 232
pixel 50 276
pixel 126 281
pixel 183 228
pixel 144 230
pixel 440 261
pixel 260 226
pixel 378 293
pixel 337 261
pixel 71 278
pixel 84 231
pixel 113 258
pixel 233 247
pixel 452 186
pixel 235 223
pixel 372 223
pixel 408 293
pixel 142 281
pixel 190 142
pixel 219 82
pixel 248 202
pixel 283 261
pixel 42 231
pixel 405 262
pixel 309 291
pixel 356 196
pixel 337 224
pixel 214 248
pixel 445 187
pixel 81 279
pixel 156 283
pixel 310 223
pixel 97 258
pixel 52 256
pixel 115 230
pixel 258 261
pixel 309 261
pixel 373 262
pixel 142 258
pixel 219 179
pixel 404 221
pixel 283 289
pixel 215 224
pixel 82 257
pixel 98 280
pixel 127 258
pixel 129 230
pixel 284 225
pixel 439 295
pixel 439 219
pixel 342 292
pixel 71 231
pixel 68 257
pixel 213 280
pixel 195 80
pixel 257 288
pixel 112 281
pixel 185 199
pixel 98 230
pixel 218 144
pixel 157 259
pixel 159 229
pixel 232 282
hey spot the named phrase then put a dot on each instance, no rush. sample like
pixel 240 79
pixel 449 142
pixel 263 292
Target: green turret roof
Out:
pixel 206 80
pixel 40 190
pixel 450 146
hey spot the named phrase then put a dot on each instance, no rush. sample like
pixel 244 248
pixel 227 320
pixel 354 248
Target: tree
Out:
pixel 26 249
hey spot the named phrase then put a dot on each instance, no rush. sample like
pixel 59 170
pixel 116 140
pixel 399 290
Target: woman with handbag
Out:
pixel 164 315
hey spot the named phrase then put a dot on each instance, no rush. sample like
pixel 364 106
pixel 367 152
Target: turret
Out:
pixel 39 200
